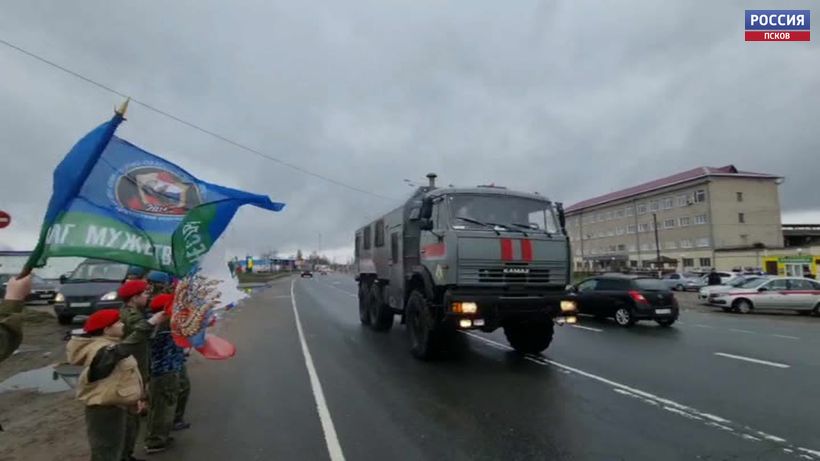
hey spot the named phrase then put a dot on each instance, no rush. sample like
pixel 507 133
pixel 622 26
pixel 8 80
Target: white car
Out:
pixel 708 292
pixel 776 293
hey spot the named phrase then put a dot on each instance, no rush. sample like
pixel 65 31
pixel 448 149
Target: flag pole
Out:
pixel 121 110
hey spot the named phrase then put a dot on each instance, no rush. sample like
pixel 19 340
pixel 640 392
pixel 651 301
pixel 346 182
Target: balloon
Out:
pixel 216 348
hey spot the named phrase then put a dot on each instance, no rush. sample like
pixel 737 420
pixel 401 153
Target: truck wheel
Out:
pixel 65 319
pixel 381 317
pixel 529 338
pixel 420 327
pixel 364 312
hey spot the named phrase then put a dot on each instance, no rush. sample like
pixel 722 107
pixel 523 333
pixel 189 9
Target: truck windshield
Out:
pixel 473 211
pixel 99 271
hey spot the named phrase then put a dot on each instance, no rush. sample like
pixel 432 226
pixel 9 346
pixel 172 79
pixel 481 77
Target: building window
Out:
pixel 609 215
pixel 683 200
pixel 688 262
pixel 629 211
pixel 619 231
pixel 642 209
pixel 744 239
pixel 684 221
pixel 668 203
pixel 671 245
pixel 669 223
pixel 610 233
pixel 705 262
pixel 600 217
pixel 622 247
pixel 686 243
pixel 379 233
pixel 700 219
pixel 700 196
pixel 630 229
pixel 619 213
pixel 740 196
pixel 741 218
pixel 702 242
pixel 653 205
pixel 632 247
pixel 643 227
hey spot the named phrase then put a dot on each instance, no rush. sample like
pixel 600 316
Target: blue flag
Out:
pixel 112 200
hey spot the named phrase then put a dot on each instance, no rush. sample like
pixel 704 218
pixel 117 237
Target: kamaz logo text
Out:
pixel 516 270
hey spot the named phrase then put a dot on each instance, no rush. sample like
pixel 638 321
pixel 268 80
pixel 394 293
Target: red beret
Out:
pixel 101 319
pixel 131 288
pixel 163 301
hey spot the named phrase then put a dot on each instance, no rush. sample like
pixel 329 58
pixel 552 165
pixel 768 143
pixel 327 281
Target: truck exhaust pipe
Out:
pixel 432 177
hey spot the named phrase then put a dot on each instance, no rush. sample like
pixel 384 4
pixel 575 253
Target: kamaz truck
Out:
pixel 478 258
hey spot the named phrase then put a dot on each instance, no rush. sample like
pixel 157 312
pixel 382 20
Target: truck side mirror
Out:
pixel 415 214
pixel 63 279
pixel 562 218
pixel 426 224
pixel 570 289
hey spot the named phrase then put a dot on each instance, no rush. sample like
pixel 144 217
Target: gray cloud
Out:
pixel 571 99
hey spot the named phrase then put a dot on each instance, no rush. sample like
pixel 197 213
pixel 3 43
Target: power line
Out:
pixel 191 124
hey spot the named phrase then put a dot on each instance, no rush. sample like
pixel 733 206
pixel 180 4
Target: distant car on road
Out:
pixel 90 287
pixel 776 293
pixel 42 290
pixel 307 274
pixel 627 299
pixel 683 282
pixel 708 292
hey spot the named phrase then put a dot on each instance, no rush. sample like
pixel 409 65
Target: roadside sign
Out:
pixel 5 219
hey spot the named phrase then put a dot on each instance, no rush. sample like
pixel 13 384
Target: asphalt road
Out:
pixel 715 386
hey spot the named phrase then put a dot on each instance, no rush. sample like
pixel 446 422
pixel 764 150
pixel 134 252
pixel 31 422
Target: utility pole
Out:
pixel 657 244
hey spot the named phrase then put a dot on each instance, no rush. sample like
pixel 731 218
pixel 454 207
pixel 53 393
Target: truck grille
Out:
pixel 512 274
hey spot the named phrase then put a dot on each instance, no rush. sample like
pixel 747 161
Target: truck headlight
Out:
pixel 110 296
pixel 59 298
pixel 568 306
pixel 465 307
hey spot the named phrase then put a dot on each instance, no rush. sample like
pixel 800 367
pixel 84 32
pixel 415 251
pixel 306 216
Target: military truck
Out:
pixel 478 258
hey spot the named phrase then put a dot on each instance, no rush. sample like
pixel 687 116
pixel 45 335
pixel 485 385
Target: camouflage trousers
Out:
pixel 163 392
pixel 184 393
pixel 105 426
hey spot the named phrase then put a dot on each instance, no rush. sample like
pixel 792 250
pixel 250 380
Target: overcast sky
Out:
pixel 572 99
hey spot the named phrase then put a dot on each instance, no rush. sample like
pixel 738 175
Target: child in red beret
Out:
pixel 110 382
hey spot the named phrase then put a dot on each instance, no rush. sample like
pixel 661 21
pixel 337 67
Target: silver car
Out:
pixel 708 292
pixel 776 293
pixel 683 282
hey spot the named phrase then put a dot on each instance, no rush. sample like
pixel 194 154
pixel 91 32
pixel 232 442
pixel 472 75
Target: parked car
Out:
pixel 307 274
pixel 683 282
pixel 708 292
pixel 90 287
pixel 627 299
pixel 42 290
pixel 777 293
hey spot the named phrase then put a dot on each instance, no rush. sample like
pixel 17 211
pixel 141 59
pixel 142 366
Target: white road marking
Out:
pixel 597 330
pixel 666 404
pixel 331 439
pixel 785 336
pixel 700 325
pixel 749 359
pixel 738 330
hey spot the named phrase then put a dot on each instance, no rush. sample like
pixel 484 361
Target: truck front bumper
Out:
pixel 496 309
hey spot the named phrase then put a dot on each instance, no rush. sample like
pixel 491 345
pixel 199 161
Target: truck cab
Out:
pixel 466 258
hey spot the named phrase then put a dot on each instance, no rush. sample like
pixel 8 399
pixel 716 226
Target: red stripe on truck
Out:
pixel 526 250
pixel 506 250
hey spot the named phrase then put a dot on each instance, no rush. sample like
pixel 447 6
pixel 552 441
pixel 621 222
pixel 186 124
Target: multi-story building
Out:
pixel 679 221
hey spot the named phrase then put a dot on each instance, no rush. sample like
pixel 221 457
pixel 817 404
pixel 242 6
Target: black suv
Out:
pixel 627 299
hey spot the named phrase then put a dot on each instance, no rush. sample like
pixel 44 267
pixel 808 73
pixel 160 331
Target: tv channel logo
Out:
pixel 778 25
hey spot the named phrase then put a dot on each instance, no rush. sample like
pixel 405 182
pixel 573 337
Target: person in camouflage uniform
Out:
pixel 135 295
pixel 11 318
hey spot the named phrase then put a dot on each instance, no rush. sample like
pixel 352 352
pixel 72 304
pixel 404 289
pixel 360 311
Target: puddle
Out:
pixel 40 379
